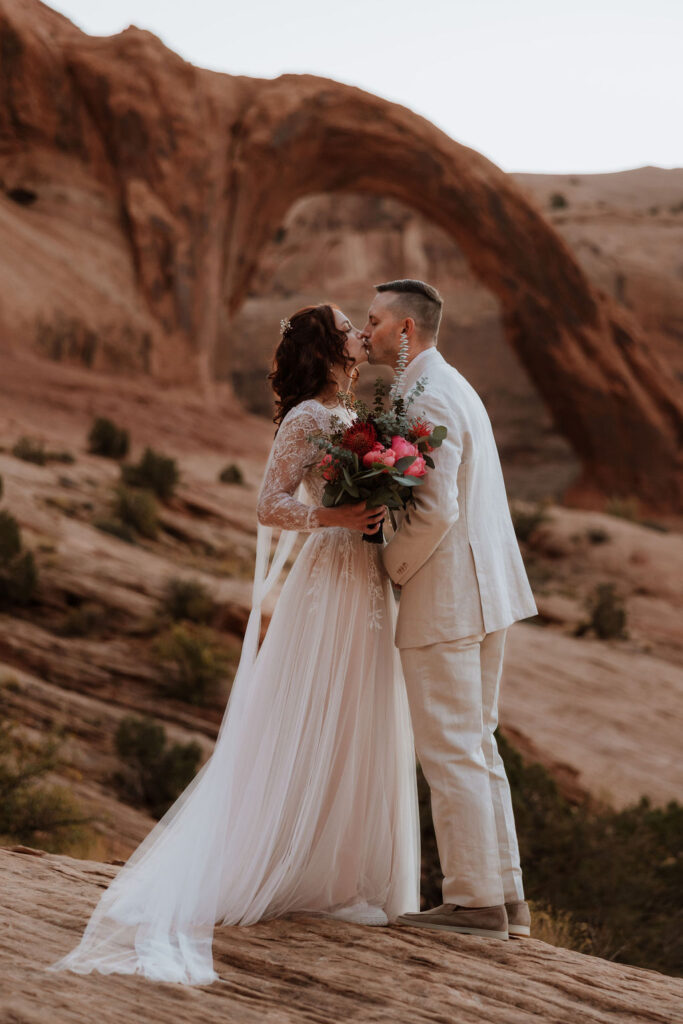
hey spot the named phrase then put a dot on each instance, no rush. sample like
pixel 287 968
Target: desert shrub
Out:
pixel 116 528
pixel 87 618
pixel 106 439
pixel 46 816
pixel 624 508
pixel 231 474
pixel 10 537
pixel 606 881
pixel 30 450
pixel 193 663
pixel 558 201
pixel 596 535
pixel 155 472
pixel 154 773
pixel 607 614
pixel 526 522
pixel 18 574
pixel 188 600
pixel 137 510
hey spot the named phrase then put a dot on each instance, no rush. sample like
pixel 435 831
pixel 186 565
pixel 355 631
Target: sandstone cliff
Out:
pixel 139 193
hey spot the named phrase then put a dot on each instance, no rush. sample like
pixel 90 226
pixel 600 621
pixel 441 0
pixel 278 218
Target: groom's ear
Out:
pixel 408 326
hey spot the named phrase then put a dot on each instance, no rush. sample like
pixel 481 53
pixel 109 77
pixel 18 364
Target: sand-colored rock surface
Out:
pixel 113 150
pixel 305 969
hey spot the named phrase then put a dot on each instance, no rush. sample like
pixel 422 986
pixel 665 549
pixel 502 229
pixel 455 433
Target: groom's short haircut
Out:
pixel 417 300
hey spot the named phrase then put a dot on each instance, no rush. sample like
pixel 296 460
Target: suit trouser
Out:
pixel 453 692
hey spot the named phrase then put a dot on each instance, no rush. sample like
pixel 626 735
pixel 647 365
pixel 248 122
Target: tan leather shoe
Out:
pixel 449 917
pixel 519 918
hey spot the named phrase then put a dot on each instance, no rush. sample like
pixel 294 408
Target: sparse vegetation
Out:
pixel 154 773
pixel 193 663
pixel 84 620
pixel 600 881
pixel 187 600
pixel 231 474
pixel 558 201
pixel 137 510
pixel 526 521
pixel 624 508
pixel 106 439
pixel 607 614
pixel 154 472
pixel 31 450
pixel 116 528
pixel 44 816
pixel 18 574
pixel 596 535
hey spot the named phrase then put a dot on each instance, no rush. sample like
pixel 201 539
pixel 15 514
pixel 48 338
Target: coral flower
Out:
pixel 402 447
pixel 420 428
pixel 329 469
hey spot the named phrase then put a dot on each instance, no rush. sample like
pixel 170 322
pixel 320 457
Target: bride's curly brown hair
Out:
pixel 309 347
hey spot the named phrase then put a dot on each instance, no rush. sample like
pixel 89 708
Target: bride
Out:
pixel 308 802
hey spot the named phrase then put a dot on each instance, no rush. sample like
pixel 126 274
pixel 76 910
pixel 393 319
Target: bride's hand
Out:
pixel 353 517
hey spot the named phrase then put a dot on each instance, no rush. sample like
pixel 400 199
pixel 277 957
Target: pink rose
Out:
pixel 402 447
pixel 378 453
pixel 418 468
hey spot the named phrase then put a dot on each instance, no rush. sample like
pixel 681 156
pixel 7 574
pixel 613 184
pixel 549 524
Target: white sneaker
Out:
pixel 360 913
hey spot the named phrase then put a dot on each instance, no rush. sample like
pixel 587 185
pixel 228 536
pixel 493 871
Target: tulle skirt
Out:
pixel 308 803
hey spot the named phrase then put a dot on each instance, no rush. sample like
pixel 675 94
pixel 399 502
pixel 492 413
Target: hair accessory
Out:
pixel 284 325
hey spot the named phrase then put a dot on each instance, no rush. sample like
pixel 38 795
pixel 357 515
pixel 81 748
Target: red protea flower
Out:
pixel 359 438
pixel 420 428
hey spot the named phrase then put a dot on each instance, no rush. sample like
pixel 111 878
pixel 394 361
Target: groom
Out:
pixel 456 559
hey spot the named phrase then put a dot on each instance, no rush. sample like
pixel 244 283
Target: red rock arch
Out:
pixel 204 166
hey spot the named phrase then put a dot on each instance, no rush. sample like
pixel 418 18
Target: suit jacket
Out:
pixel 456 554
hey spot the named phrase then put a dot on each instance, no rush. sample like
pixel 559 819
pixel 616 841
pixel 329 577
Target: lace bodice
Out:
pixel 292 462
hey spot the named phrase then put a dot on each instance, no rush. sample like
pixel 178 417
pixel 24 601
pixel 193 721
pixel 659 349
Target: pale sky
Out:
pixel 535 85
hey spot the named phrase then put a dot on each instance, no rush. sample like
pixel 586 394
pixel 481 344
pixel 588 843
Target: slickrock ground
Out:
pixel 307 970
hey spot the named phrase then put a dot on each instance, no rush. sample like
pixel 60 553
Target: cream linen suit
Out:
pixel 456 557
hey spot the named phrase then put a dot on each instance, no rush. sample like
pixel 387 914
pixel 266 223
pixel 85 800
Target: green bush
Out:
pixel 232 474
pixel 526 522
pixel 106 439
pixel 30 450
pixel 154 774
pixel 607 614
pixel 45 816
pixel 155 472
pixel 193 663
pixel 84 620
pixel 18 575
pixel 137 510
pixel 10 538
pixel 618 874
pixel 188 600
pixel 116 528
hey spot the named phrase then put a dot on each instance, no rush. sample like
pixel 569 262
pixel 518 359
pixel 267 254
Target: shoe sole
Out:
pixel 460 929
pixel 519 931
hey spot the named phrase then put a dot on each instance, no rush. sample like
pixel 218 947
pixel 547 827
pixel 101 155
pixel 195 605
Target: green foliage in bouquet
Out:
pixel 384 455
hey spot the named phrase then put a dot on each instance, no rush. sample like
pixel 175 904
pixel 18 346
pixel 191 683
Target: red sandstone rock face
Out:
pixel 172 179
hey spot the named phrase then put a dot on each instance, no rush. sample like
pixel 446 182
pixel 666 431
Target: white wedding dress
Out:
pixel 308 803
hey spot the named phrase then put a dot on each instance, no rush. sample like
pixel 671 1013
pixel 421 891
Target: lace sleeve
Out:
pixel 292 454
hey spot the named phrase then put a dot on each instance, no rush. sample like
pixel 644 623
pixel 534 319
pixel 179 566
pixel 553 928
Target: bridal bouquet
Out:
pixel 384 455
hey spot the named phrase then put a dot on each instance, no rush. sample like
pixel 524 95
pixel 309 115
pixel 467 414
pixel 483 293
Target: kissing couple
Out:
pixel 308 803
